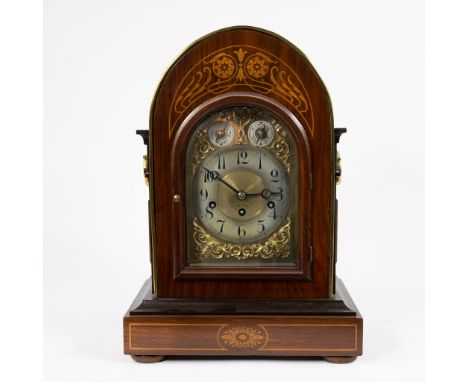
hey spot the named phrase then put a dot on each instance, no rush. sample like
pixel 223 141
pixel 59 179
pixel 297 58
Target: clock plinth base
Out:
pixel 332 333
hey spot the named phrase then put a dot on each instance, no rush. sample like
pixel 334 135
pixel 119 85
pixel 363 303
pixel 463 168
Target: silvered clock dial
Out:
pixel 241 195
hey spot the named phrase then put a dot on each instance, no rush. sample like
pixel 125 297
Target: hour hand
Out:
pixel 266 193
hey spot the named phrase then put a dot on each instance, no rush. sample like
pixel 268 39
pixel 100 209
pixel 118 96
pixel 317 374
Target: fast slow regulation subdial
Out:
pixel 221 133
pixel 261 133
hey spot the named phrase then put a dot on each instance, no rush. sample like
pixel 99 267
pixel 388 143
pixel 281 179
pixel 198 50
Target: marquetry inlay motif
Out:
pixel 235 68
pixel 242 337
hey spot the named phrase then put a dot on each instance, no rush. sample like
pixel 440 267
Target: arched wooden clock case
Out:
pixel 242 169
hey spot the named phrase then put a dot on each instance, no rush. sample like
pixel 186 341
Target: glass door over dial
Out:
pixel 241 187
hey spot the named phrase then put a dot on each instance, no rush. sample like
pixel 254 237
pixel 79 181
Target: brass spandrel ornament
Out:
pixel 207 247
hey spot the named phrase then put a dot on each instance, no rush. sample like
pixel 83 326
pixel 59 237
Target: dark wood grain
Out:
pixel 243 335
pixel 338 305
pixel 169 125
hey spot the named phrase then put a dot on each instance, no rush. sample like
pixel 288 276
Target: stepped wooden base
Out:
pixel 336 338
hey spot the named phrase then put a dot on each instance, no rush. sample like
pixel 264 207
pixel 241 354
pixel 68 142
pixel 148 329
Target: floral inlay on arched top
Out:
pixel 257 67
pixel 224 67
pixel 239 67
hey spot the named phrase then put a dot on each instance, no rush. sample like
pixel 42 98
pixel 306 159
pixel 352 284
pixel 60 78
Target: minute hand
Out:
pixel 217 177
pixel 227 184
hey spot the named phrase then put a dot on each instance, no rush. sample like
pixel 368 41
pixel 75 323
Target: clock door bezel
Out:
pixel 182 270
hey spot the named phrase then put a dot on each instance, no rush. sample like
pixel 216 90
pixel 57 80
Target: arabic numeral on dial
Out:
pixel 273 215
pixel 280 193
pixel 204 194
pixel 241 231
pixel 210 176
pixel 271 205
pixel 209 213
pixel 221 226
pixel 221 162
pixel 274 174
pixel 242 157
pixel 261 227
pixel 209 210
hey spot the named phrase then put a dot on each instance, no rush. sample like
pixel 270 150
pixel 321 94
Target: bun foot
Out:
pixel 148 358
pixel 339 359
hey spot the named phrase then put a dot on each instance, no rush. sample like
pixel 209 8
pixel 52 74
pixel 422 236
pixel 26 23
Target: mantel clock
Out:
pixel 242 169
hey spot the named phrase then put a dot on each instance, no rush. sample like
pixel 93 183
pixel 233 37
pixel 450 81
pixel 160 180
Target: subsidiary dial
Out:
pixel 261 133
pixel 221 133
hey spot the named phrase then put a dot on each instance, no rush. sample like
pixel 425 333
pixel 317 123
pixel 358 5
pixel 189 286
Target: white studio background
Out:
pixel 103 61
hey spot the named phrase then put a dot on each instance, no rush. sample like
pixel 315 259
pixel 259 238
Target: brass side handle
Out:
pixel 338 168
pixel 145 169
pixel 338 171
pixel 145 135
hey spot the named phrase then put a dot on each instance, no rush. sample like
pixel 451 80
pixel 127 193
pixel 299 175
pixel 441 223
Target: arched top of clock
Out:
pixel 239 58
